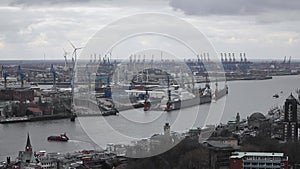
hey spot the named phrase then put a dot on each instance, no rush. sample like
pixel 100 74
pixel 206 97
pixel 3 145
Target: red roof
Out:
pixel 34 109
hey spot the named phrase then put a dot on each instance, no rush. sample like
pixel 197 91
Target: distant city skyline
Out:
pixel 268 29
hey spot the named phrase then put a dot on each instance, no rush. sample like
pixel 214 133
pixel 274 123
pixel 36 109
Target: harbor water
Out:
pixel 245 97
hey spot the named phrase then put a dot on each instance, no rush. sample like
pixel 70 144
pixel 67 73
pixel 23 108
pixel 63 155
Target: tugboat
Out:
pixel 147 103
pixel 172 104
pixel 73 117
pixel 62 137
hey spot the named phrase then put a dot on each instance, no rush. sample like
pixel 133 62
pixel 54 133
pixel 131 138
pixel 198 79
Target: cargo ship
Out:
pixel 14 120
pixel 34 118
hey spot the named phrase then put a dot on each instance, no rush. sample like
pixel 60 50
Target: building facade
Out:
pixel 262 160
pixel 290 124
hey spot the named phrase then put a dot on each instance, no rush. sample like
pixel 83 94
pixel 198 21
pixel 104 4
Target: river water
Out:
pixel 245 97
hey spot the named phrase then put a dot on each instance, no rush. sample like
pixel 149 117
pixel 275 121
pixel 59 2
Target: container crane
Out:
pixel 21 76
pixel 66 61
pixel 88 76
pixel 4 75
pixel 284 60
pixel 53 74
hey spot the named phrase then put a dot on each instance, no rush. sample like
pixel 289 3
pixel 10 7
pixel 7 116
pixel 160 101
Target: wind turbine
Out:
pixel 75 50
pixel 73 68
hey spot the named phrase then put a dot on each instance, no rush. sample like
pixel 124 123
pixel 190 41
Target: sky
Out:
pixel 263 29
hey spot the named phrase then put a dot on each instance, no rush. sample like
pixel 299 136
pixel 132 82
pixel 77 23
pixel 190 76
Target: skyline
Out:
pixel 268 29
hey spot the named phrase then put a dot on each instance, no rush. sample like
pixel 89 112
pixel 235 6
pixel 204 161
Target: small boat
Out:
pixel 111 112
pixel 73 117
pixel 276 96
pixel 62 137
pixel 107 107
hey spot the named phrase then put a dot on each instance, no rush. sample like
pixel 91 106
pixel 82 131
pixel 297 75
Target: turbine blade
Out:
pixel 72 45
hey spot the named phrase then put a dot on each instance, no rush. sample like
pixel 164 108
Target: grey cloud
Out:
pixel 232 7
pixel 45 2
pixel 91 3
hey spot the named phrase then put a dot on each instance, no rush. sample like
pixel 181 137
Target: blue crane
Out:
pixel 4 75
pixel 88 76
pixel 53 74
pixel 21 76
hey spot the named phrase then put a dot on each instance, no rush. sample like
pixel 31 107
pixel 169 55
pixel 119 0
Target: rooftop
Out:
pixel 257 154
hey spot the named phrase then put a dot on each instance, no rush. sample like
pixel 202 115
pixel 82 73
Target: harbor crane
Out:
pixel 53 74
pixel 88 76
pixel 66 61
pixel 4 75
pixel 21 76
pixel 284 60
pixel 289 62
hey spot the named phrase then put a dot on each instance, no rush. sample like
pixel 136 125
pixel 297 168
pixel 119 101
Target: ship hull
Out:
pixel 57 138
pixel 37 118
pixel 221 93
pixel 205 99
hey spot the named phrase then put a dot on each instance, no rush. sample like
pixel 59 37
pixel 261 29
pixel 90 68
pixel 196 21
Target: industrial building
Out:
pixel 262 160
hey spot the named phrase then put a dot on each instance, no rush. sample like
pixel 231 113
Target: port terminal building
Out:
pixel 263 160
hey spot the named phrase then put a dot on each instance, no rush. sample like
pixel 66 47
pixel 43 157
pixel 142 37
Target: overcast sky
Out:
pixel 260 28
